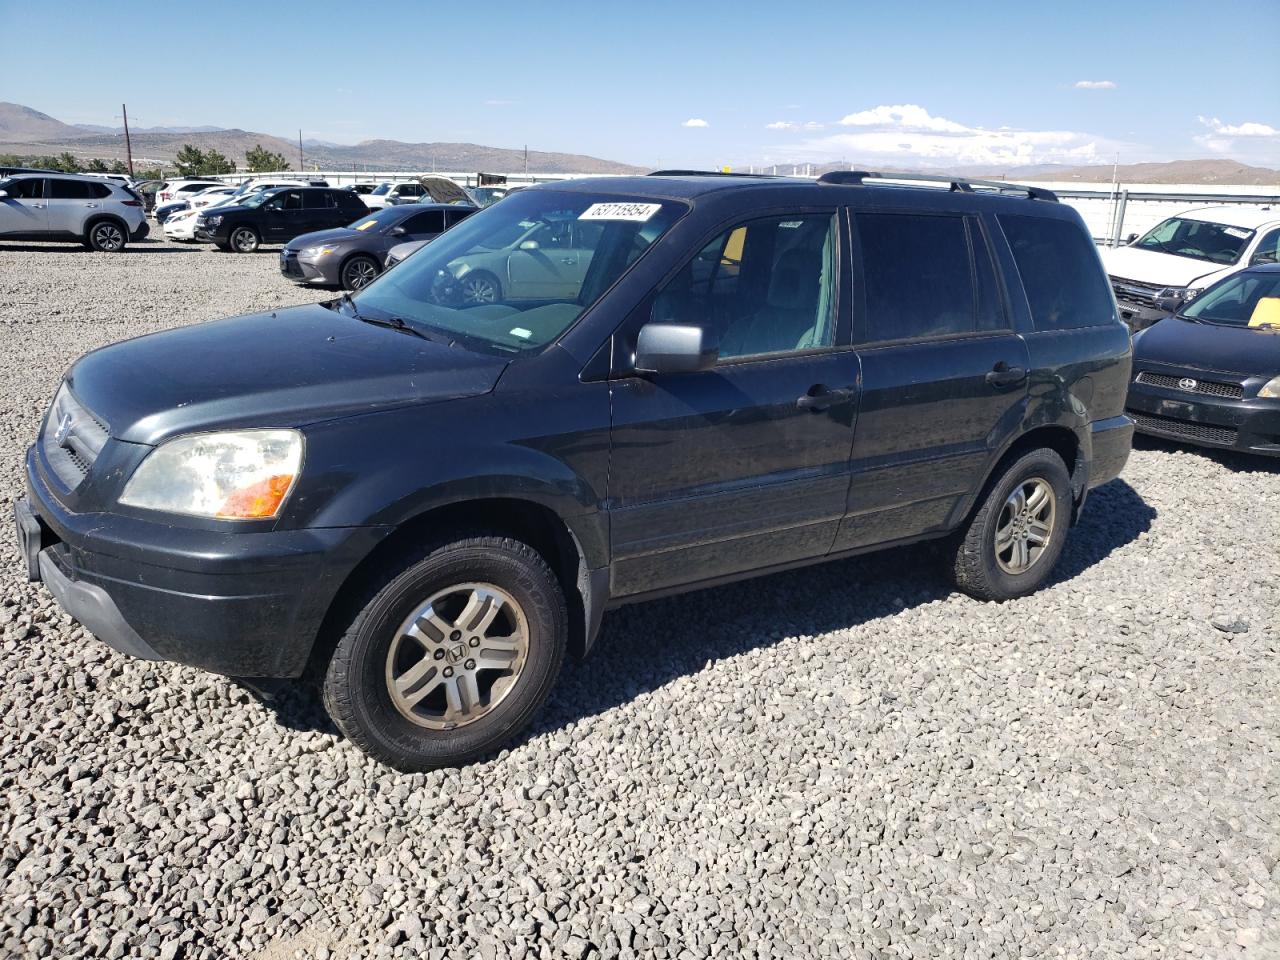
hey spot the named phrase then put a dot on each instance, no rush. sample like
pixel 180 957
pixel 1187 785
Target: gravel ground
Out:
pixel 849 761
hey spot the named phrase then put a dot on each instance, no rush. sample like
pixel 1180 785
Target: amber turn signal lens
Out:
pixel 259 500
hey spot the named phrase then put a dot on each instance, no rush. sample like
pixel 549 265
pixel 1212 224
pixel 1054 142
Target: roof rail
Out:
pixel 705 173
pixel 957 184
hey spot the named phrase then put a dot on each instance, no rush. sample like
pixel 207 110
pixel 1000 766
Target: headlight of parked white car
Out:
pixel 1185 294
pixel 238 475
pixel 1271 389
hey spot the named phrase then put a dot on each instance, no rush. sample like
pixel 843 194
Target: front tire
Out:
pixel 451 656
pixel 480 286
pixel 1015 538
pixel 106 236
pixel 244 240
pixel 359 272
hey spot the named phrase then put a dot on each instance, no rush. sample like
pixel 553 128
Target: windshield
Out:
pixel 1244 300
pixel 1197 239
pixel 515 276
pixel 381 188
pixel 258 199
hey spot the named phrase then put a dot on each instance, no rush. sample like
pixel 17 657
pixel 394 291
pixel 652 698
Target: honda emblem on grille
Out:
pixel 1186 383
pixel 64 428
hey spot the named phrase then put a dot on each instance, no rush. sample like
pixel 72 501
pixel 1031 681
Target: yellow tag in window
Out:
pixel 1266 313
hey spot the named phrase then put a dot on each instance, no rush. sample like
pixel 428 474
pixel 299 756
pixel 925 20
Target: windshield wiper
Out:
pixel 394 323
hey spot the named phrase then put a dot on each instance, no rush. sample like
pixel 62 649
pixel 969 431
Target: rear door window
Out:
pixel 70 190
pixel 1061 274
pixel 432 221
pixel 918 275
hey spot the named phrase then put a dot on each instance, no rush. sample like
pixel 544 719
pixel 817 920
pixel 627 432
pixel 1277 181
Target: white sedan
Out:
pixel 182 226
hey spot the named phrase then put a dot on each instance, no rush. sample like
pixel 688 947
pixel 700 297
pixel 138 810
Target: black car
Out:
pixel 429 498
pixel 277 216
pixel 1210 374
pixel 353 256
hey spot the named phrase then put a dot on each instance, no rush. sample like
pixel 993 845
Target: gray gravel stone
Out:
pixel 846 761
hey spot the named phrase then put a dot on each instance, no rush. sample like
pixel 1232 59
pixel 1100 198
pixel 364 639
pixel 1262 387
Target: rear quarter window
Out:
pixel 1063 279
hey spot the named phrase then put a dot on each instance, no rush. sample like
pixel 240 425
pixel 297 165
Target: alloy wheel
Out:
pixel 479 290
pixel 456 657
pixel 244 241
pixel 107 236
pixel 359 274
pixel 1025 527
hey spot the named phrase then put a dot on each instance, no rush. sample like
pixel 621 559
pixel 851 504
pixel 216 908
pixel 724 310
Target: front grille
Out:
pixel 289 265
pixel 1208 388
pixel 1134 291
pixel 72 438
pixel 1199 432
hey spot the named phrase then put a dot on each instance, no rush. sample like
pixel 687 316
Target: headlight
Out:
pixel 213 221
pixel 1271 389
pixel 1185 294
pixel 320 251
pixel 238 475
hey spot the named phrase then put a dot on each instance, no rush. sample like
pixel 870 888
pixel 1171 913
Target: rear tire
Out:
pixel 408 681
pixel 106 236
pixel 359 272
pixel 244 240
pixel 481 286
pixel 1013 541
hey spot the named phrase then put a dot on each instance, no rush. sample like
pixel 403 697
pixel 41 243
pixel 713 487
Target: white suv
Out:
pixel 183 189
pixel 102 214
pixel 392 194
pixel 1176 259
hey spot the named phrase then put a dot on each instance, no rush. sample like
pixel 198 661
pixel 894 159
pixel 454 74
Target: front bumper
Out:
pixel 233 602
pixel 1245 423
pixel 304 271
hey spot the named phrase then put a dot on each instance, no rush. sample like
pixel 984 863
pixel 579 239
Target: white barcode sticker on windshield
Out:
pixel 1236 232
pixel 639 212
pixel 521 332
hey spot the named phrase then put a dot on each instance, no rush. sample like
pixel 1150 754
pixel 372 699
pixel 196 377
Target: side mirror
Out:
pixel 529 245
pixel 1262 256
pixel 1130 238
pixel 1169 304
pixel 398 231
pixel 673 348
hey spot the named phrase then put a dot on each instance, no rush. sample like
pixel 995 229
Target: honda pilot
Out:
pixel 426 494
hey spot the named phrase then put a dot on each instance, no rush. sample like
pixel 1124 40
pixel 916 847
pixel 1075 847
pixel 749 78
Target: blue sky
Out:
pixel 659 83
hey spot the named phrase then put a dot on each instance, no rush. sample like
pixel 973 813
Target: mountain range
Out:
pixel 28 132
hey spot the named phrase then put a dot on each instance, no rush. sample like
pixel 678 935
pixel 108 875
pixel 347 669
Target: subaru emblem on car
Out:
pixel 64 428
pixel 1186 383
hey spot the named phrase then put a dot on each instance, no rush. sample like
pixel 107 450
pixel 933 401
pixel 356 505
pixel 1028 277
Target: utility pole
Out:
pixel 301 165
pixel 128 144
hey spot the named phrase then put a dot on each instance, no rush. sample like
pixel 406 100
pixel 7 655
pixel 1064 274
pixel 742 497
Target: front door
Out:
pixel 23 209
pixel 944 375
pixel 745 465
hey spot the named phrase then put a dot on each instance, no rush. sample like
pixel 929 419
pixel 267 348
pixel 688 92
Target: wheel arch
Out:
pixel 1063 440
pixel 529 521
pixel 98 218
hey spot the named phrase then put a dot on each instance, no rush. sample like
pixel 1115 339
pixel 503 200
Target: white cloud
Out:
pixel 1247 129
pixel 906 135
pixel 695 122
pixel 1094 85
pixel 791 125
pixel 1249 142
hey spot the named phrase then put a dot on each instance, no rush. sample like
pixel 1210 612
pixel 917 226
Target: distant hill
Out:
pixel 19 124
pixel 28 132
pixel 99 128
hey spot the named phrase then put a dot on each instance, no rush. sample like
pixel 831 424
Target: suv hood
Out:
pixel 1158 269
pixel 284 369
pixel 1209 346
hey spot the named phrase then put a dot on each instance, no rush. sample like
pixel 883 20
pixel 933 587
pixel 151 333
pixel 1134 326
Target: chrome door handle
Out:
pixel 569 260
pixel 90 204
pixel 37 206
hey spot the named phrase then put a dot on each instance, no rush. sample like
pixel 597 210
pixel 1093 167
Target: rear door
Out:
pixel 24 209
pixel 286 217
pixel 71 202
pixel 744 465
pixel 944 374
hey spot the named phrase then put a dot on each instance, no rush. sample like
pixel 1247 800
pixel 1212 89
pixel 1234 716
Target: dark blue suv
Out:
pixel 589 394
